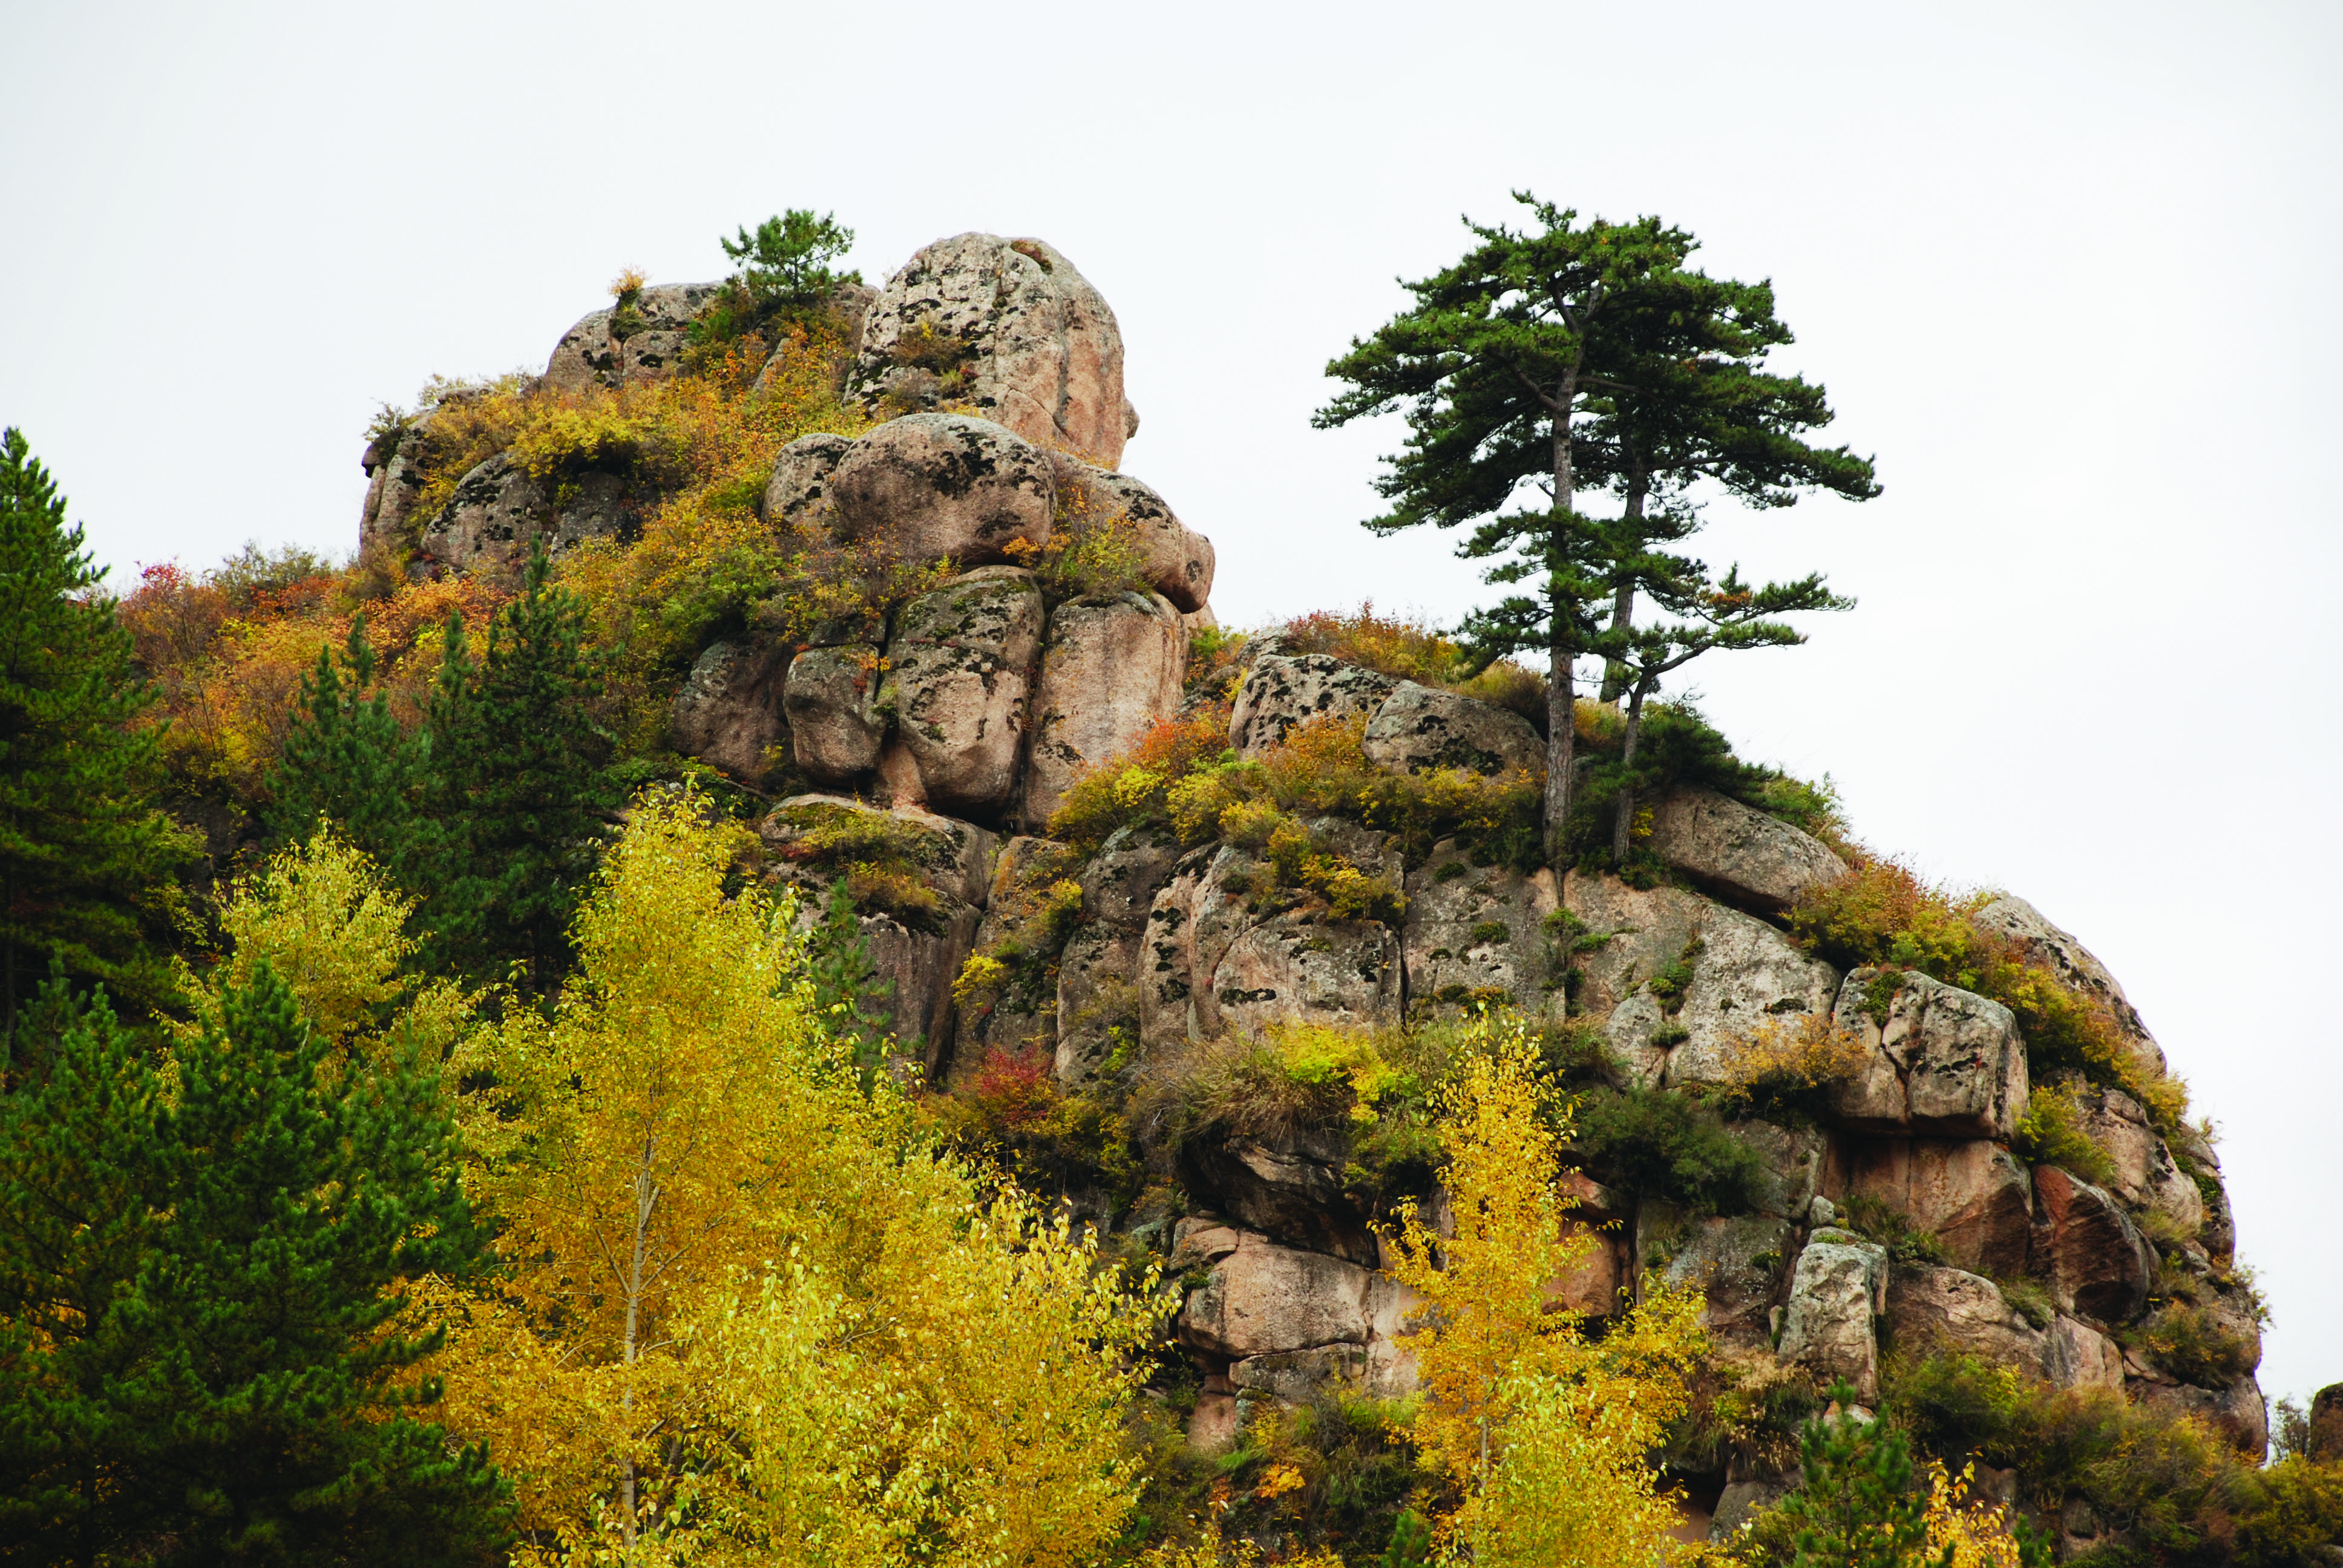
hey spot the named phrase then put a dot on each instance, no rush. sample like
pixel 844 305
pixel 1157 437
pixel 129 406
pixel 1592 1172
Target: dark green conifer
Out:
pixel 518 788
pixel 200 1360
pixel 847 990
pixel 345 759
pixel 1858 1507
pixel 87 861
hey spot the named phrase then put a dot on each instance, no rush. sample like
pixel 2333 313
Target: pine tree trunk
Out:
pixel 1561 695
pixel 1623 825
pixel 1622 603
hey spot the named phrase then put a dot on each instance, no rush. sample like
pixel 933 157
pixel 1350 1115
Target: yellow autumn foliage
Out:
pixel 1962 1533
pixel 746 1316
pixel 1540 1432
pixel 333 928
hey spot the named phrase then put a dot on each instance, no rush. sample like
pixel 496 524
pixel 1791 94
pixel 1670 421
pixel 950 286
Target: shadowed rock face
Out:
pixel 1970 1193
pixel 2093 1254
pixel 1005 325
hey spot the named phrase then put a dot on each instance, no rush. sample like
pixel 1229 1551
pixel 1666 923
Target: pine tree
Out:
pixel 87 861
pixel 203 1343
pixel 846 984
pixel 344 760
pixel 1857 1508
pixel 518 788
pixel 1569 361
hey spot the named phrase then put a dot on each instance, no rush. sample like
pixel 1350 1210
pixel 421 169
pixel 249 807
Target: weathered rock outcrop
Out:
pixel 729 711
pixel 961 673
pixel 1743 856
pixel 1836 1294
pixel 797 494
pixel 497 510
pixel 2056 949
pixel 1477 934
pixel 1282 691
pixel 1970 1193
pixel 1005 325
pixel 2088 1249
pixel 832 699
pixel 1419 727
pixel 1112 674
pixel 1178 561
pixel 643 342
pixel 936 487
pixel 1940 1059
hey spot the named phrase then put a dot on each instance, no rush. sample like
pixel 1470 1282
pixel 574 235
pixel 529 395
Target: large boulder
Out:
pixel 941 487
pixel 1007 326
pixel 1263 1299
pixel 2093 1256
pixel 1836 1295
pixel 1939 1060
pixel 832 699
pixel 1304 966
pixel 1953 1310
pixel 1737 1265
pixel 1286 1185
pixel 1795 1159
pixel 641 342
pixel 1281 692
pixel 1110 672
pixel 797 497
pixel 497 510
pixel 2038 941
pixel 1176 561
pixel 1419 727
pixel 1476 934
pixel 804 832
pixel 1970 1193
pixel 728 713
pixel 1743 856
pixel 1683 985
pixel 959 675
pixel 394 484
pixel 2076 1355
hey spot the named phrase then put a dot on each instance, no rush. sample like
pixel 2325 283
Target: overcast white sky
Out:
pixel 2069 270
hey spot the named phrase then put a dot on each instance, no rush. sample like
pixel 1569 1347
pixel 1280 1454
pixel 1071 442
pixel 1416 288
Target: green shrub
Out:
pixel 1894 1230
pixel 1667 1147
pixel 2189 1342
pixel 2051 1132
pixel 2029 1299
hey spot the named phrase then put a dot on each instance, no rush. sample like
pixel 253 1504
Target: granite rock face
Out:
pixel 960 684
pixel 1111 673
pixel 611 349
pixel 1005 325
pixel 1940 1059
pixel 2093 1256
pixel 1177 561
pixel 1281 692
pixel 1836 1296
pixel 1743 856
pixel 729 711
pixel 1419 727
pixel 941 487
pixel 831 698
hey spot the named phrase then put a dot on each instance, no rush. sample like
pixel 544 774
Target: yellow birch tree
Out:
pixel 1543 1434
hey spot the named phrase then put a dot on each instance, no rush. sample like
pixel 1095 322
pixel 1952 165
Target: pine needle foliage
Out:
pixel 205 1353
pixel 86 862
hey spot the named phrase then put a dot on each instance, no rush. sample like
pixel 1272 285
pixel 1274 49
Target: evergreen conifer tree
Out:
pixel 87 861
pixel 1857 1508
pixel 518 788
pixel 846 984
pixel 345 759
pixel 200 1351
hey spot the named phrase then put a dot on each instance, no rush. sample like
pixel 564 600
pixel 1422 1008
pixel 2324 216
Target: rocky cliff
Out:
pixel 1897 1199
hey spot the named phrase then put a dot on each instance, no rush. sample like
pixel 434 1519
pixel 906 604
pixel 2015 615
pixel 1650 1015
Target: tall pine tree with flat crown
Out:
pixel 87 861
pixel 518 788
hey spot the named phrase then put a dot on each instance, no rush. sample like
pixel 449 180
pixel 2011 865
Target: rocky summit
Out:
pixel 1909 1202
